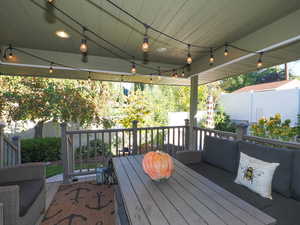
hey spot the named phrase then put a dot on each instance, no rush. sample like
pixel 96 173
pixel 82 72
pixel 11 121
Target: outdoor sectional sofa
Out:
pixel 22 194
pixel 219 163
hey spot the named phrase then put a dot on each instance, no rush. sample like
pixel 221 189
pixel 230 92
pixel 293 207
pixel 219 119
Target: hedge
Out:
pixel 40 149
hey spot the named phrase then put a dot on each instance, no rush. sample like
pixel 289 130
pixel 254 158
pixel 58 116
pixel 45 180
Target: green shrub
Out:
pixel 223 122
pixel 40 149
pixel 95 146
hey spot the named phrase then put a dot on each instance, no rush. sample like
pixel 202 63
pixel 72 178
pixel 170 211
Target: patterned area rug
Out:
pixel 83 203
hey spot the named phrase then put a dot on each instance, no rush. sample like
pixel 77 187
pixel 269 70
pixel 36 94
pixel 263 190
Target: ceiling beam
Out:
pixel 17 69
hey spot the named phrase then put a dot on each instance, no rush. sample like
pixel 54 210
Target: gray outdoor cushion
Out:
pixel 226 180
pixel 221 153
pixel 283 175
pixel 296 176
pixel 29 191
pixel 284 210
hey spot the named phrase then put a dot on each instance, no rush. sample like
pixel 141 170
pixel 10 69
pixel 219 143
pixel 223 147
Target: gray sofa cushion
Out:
pixel 226 180
pixel 29 191
pixel 284 210
pixel 221 153
pixel 283 175
pixel 296 176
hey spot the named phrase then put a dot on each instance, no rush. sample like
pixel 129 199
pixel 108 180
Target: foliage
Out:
pixel 42 99
pixel 298 126
pixel 40 149
pixel 95 148
pixel 223 122
pixel 274 128
pixel 136 107
pixel 264 76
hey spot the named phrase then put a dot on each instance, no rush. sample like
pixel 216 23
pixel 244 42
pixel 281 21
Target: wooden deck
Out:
pixel 187 198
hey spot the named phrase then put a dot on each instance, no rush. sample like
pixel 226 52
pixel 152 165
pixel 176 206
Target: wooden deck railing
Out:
pixel 240 135
pixel 84 150
pixel 10 150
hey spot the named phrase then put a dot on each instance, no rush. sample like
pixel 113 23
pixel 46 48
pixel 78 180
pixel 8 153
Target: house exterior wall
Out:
pixel 251 106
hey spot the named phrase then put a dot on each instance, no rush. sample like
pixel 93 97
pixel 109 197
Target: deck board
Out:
pixel 187 198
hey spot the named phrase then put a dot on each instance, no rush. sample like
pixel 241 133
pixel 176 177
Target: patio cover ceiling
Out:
pixel 269 25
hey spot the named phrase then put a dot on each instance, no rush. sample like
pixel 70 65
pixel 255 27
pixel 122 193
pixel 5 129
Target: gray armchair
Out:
pixel 22 194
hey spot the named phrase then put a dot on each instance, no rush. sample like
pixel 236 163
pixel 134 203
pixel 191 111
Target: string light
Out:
pixel 89 77
pixel 226 50
pixel 10 54
pixel 83 46
pixel 145 45
pixel 189 59
pixel 259 63
pixel 51 68
pixel 211 58
pixel 133 68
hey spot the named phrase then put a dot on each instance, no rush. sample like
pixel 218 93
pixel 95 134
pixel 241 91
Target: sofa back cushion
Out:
pixel 283 175
pixel 296 176
pixel 221 153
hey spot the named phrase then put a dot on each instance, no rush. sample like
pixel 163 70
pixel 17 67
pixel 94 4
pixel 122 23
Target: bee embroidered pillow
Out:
pixel 256 175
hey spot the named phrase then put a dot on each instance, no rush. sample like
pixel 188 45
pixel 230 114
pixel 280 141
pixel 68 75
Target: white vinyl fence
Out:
pixel 251 106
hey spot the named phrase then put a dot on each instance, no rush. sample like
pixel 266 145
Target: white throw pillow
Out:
pixel 256 175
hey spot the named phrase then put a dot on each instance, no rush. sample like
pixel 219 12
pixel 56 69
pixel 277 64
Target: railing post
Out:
pixel 241 130
pixel 134 138
pixel 64 153
pixel 187 133
pixel 2 125
pixel 17 143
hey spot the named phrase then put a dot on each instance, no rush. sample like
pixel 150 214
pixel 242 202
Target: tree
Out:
pixel 135 107
pixel 41 100
pixel 267 75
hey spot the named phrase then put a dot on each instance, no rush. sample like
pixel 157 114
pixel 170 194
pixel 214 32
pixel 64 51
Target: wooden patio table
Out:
pixel 187 198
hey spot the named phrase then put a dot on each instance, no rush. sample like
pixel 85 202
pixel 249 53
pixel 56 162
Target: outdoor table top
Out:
pixel 187 198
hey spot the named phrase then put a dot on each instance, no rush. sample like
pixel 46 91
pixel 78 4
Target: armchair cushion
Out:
pixel 27 171
pixel 29 191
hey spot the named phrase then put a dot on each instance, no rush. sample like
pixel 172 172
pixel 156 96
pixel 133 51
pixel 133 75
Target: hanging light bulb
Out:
pixel 226 50
pixel 259 63
pixel 133 68
pixel 83 46
pixel 189 59
pixel 182 74
pixel 151 80
pixel 145 45
pixel 89 77
pixel 10 54
pixel 50 1
pixel 211 58
pixel 51 68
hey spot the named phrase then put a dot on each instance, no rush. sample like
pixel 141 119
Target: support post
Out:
pixel 2 125
pixel 193 112
pixel 134 138
pixel 187 134
pixel 64 153
pixel 241 130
